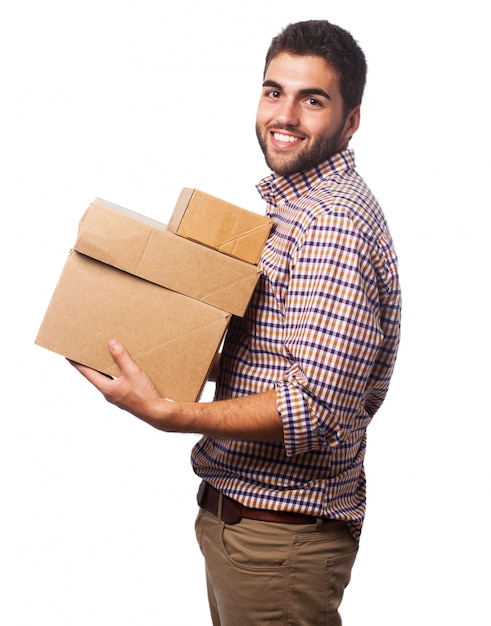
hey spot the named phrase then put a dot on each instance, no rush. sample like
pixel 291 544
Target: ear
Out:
pixel 352 123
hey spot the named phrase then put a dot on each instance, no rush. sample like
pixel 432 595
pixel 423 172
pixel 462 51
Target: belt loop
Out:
pixel 319 523
pixel 220 505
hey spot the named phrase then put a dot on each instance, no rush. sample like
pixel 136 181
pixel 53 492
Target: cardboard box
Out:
pixel 222 226
pixel 171 336
pixel 148 249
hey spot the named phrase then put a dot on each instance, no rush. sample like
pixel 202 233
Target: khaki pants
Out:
pixel 262 573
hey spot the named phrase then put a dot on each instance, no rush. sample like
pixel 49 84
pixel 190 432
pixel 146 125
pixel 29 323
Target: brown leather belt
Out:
pixel 233 511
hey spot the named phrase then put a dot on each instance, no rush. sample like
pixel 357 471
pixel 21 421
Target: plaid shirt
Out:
pixel 322 329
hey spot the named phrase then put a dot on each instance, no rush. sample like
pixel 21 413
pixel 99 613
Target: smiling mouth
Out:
pixel 280 138
pixel 285 138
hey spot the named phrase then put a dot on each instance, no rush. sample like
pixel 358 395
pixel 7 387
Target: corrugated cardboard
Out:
pixel 223 226
pixel 171 336
pixel 148 249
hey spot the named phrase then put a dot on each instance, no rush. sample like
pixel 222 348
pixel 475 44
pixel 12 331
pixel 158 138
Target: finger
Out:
pixel 96 378
pixel 122 357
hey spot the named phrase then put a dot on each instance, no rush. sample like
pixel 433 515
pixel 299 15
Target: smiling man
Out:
pixel 302 374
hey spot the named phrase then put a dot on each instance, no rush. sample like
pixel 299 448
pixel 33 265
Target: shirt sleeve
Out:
pixel 332 334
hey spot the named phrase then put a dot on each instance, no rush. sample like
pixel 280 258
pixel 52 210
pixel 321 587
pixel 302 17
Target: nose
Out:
pixel 288 114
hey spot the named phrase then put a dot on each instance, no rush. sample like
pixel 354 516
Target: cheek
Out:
pixel 267 111
pixel 319 124
pixel 263 116
pixel 328 126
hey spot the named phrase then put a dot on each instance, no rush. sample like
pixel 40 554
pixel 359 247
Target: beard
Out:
pixel 286 164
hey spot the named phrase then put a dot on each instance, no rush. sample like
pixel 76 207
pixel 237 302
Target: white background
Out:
pixel 131 101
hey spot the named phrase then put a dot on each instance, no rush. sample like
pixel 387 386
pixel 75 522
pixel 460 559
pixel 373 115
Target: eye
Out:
pixel 272 93
pixel 313 102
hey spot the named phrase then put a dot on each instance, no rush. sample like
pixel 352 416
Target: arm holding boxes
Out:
pixel 167 292
pixel 252 418
pixel 217 232
pixel 215 235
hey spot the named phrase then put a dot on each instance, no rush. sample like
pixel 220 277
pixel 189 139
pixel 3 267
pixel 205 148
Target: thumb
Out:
pixel 120 355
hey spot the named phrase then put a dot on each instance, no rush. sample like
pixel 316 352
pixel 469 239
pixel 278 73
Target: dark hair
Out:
pixel 335 45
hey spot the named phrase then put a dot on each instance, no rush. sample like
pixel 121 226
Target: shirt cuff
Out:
pixel 305 426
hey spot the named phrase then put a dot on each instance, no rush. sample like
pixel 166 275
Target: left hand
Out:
pixel 133 391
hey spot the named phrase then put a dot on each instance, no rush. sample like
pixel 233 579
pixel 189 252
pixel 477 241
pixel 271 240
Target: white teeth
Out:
pixel 284 138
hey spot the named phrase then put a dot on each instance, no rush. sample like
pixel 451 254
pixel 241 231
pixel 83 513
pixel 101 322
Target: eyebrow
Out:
pixel 312 91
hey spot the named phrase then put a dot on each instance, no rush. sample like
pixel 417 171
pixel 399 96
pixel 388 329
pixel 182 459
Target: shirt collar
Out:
pixel 275 189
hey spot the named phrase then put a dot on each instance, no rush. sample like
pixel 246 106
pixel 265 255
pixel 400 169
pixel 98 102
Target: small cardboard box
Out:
pixel 171 336
pixel 220 225
pixel 148 249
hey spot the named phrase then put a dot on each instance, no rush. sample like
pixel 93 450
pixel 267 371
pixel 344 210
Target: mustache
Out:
pixel 286 127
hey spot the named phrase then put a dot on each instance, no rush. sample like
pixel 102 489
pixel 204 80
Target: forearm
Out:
pixel 251 418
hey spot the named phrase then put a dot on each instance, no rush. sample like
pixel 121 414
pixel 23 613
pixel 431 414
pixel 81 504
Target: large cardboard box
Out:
pixel 171 336
pixel 148 249
pixel 223 226
pixel 167 298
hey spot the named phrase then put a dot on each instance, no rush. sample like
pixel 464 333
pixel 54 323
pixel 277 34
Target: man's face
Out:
pixel 300 119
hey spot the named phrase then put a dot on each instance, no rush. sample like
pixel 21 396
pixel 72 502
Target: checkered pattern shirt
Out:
pixel 322 329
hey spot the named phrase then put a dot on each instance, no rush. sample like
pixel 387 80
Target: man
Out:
pixel 303 372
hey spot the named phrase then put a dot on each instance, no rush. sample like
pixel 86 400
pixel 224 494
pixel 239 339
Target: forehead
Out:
pixel 302 72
